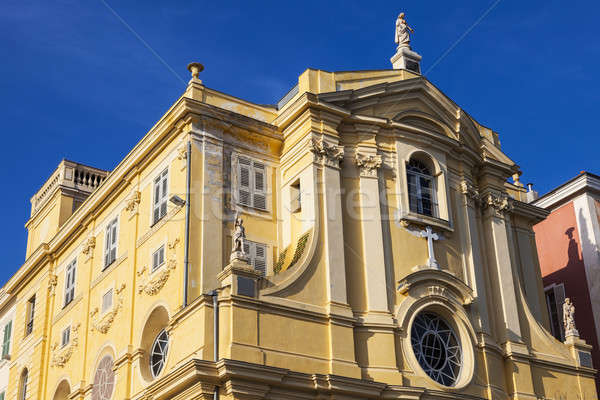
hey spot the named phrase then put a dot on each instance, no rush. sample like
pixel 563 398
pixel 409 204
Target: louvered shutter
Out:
pixel 244 188
pixel 156 205
pixel 259 193
pixel 6 341
pixel 247 249
pixel 113 244
pixel 559 296
pixel 163 205
pixel 107 241
pixel 260 258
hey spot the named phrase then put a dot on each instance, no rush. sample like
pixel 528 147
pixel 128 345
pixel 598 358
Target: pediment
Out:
pixel 414 103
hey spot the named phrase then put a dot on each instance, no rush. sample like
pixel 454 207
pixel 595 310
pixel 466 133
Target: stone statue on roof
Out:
pixel 403 32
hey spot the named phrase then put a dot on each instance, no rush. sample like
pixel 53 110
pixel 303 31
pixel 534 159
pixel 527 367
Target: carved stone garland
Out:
pixel 153 286
pixel 326 153
pixel 52 281
pixel 88 247
pixel 133 202
pixel 60 356
pixel 368 164
pixel 104 323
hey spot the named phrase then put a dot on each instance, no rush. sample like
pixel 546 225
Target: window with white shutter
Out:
pixel 65 337
pixel 158 258
pixel 110 243
pixel 252 183
pixel 70 282
pixel 30 315
pixel 257 255
pixel 107 301
pixel 160 194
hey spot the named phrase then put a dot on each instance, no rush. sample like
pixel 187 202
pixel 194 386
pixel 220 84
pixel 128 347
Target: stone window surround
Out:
pixel 437 159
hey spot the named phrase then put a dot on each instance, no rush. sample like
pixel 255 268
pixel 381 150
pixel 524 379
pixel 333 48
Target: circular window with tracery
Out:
pixel 104 380
pixel 158 356
pixel 436 348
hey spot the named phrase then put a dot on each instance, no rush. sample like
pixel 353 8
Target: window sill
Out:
pixel 412 218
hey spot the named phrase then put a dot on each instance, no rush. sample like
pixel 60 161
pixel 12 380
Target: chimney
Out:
pixel 531 194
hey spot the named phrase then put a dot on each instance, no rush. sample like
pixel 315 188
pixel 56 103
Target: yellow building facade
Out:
pixel 384 256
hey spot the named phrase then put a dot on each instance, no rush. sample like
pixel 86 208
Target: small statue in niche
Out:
pixel 238 239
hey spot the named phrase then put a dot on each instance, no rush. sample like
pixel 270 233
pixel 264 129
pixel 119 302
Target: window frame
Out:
pixel 30 317
pixel 24 382
pixel 558 291
pixel 108 308
pixel 111 243
pixel 70 279
pixel 253 193
pixel 7 340
pixel 252 255
pixel 158 266
pixel 66 332
pixel 418 196
pixel 163 176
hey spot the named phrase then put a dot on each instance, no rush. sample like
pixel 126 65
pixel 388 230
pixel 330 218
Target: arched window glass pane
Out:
pixel 104 380
pixel 436 348
pixel 421 190
pixel 158 355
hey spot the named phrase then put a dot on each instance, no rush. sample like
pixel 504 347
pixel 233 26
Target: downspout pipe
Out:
pixel 186 258
pixel 215 298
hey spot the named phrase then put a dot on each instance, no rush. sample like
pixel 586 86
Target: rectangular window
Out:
pixel 160 193
pixel 70 282
pixel 65 337
pixel 252 182
pixel 555 297
pixel 107 301
pixel 30 315
pixel 295 197
pixel 110 244
pixel 6 340
pixel 257 254
pixel 158 258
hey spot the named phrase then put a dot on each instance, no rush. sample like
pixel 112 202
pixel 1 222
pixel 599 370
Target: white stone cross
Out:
pixel 430 235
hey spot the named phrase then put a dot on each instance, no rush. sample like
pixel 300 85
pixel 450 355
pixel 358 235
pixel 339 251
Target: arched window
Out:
pixel 421 188
pixel 104 380
pixel 23 385
pixel 158 356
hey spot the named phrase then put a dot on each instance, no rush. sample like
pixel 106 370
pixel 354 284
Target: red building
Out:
pixel 568 244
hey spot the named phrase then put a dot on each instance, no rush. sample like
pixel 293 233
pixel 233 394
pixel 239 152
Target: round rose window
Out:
pixel 437 348
pixel 104 380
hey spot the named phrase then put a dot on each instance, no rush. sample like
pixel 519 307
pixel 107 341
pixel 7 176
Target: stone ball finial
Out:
pixel 195 68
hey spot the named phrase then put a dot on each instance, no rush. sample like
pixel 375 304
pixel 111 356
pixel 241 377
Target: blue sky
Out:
pixel 76 83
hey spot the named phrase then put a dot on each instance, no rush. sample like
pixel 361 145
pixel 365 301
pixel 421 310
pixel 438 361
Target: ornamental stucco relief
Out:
pixel 103 323
pixel 154 285
pixel 60 356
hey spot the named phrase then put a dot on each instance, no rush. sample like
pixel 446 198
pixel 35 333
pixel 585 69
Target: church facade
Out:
pixel 378 252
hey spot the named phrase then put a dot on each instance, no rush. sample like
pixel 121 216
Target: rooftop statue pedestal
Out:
pixel 407 59
pixel 241 278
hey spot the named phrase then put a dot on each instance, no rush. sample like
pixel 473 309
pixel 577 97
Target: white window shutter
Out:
pixel 244 187
pixel 260 258
pixel 259 196
pixel 107 241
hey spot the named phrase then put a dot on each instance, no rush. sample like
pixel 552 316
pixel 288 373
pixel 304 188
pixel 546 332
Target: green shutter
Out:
pixel 2 396
pixel 6 342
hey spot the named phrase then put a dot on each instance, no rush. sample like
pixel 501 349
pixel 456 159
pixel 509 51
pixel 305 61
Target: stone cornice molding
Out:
pixel 368 164
pixel 326 154
pixel 584 182
pixel 60 356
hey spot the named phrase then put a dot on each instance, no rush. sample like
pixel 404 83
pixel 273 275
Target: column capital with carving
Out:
pixel 325 153
pixel 368 164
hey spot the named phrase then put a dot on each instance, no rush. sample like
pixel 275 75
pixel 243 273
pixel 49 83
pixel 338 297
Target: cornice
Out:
pixel 582 183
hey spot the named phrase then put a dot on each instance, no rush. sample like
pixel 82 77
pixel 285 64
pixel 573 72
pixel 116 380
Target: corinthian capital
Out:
pixel 471 193
pixel 326 153
pixel 500 203
pixel 368 163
